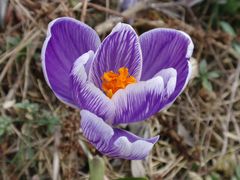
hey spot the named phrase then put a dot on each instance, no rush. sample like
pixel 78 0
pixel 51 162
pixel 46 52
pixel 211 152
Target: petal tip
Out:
pixel 190 44
pixel 155 139
pixel 57 59
pixel 80 62
pixel 137 150
pixel 114 142
pixel 119 26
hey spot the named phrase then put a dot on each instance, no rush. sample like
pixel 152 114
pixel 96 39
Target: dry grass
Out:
pixel 200 132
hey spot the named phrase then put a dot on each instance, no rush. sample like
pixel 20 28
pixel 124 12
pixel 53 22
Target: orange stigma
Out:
pixel 111 82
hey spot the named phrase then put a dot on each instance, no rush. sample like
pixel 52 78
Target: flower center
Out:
pixel 111 82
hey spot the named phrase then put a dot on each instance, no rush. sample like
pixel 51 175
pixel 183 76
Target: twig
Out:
pixel 84 10
pixel 171 165
pixel 44 95
pixel 108 24
pixel 3 9
pixel 107 6
pixel 236 126
pixel 34 157
pixel 56 159
pixel 30 52
pixel 229 49
pixel 229 111
pixel 29 37
pixel 26 12
pixel 19 135
pixel 107 10
pixel 11 92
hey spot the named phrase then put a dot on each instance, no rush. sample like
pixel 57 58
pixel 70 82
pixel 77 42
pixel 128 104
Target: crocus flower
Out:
pixel 124 79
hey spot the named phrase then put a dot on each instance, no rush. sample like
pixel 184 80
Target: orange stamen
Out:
pixel 111 82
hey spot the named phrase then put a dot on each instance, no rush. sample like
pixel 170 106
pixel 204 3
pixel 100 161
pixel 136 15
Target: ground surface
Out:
pixel 200 132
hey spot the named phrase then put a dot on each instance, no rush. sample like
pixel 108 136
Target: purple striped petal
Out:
pixel 167 48
pixel 119 49
pixel 86 94
pixel 141 100
pixel 67 39
pixel 112 141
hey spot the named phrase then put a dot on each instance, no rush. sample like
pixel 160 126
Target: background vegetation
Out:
pixel 40 137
